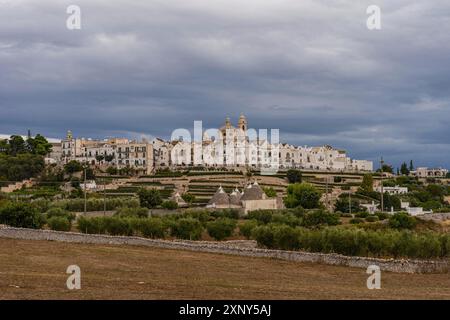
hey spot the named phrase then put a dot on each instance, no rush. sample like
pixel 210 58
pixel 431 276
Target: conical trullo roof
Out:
pixel 253 192
pixel 178 199
pixel 220 198
pixel 235 197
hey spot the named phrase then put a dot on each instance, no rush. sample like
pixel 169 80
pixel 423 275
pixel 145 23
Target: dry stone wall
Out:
pixel 241 248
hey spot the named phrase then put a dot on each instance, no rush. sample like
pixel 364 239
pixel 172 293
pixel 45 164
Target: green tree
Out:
pixel 149 198
pixel 169 205
pixel 39 145
pixel 342 205
pixel 21 166
pixel 270 192
pixel 187 228
pixel 21 215
pixel 59 223
pixel 16 145
pixel 320 217
pixel 188 197
pixel 411 166
pixel 387 168
pixel 404 169
pixel 302 194
pixel 109 157
pixel 246 228
pixel 73 166
pixel 111 171
pixel 367 183
pixel 99 157
pixel 294 176
pixel 4 146
pixel 221 228
pixel 402 221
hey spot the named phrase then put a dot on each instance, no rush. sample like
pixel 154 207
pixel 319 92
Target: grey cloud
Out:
pixel 309 68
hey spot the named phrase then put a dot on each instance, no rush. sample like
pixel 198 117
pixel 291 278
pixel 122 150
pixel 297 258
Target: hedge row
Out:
pixel 96 204
pixel 190 225
pixel 354 241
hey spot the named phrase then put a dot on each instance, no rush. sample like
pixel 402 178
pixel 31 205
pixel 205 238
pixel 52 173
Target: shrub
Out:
pixel 286 238
pixel 287 219
pixel 402 221
pixel 132 212
pixel 270 192
pixel 372 218
pixel 320 217
pixel 59 212
pixel 356 220
pixel 169 205
pixel 302 194
pixel 152 228
pixel 226 213
pixel 202 215
pixel 221 228
pixel 91 225
pixel 59 223
pixel 21 215
pixel 264 236
pixel 382 215
pixel 345 215
pixel 343 205
pixel 116 226
pixel 72 167
pixel 363 214
pixel 294 176
pixel 246 228
pixel 263 216
pixel 188 198
pixel 187 228
pixel 95 204
pixel 149 198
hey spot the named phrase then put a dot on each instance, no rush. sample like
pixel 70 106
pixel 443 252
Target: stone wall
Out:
pixel 241 248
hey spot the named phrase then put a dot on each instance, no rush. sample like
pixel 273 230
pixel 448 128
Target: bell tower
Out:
pixel 242 124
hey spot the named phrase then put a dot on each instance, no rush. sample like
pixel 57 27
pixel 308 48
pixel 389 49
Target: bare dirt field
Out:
pixel 36 270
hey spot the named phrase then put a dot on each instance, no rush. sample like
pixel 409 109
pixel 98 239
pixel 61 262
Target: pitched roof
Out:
pixel 220 198
pixel 235 197
pixel 253 192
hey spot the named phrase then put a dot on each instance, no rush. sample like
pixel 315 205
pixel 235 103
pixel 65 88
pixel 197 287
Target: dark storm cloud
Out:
pixel 310 68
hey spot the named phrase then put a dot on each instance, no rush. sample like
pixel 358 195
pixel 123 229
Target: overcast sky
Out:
pixel 310 68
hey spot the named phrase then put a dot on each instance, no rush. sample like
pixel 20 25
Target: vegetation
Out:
pixel 59 223
pixel 354 241
pixel 19 167
pixel 150 198
pixel 342 204
pixel 136 212
pixel 270 192
pixel 169 205
pixel 21 215
pixel 402 220
pixel 189 198
pixel 294 176
pixel 72 167
pixel 302 194
pixel 221 228
pixel 367 183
